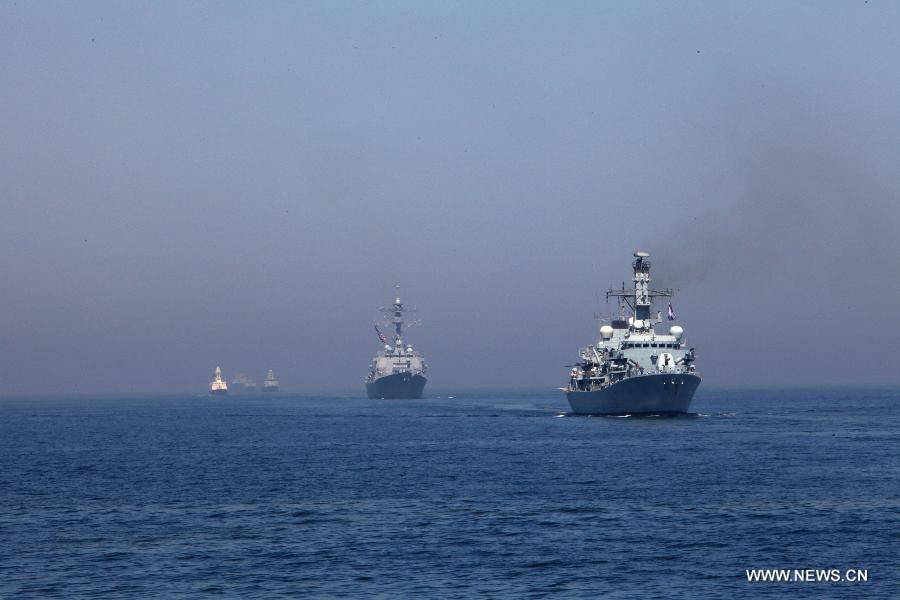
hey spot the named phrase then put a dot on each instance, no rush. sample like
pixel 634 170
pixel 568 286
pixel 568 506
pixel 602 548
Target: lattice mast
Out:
pixel 639 299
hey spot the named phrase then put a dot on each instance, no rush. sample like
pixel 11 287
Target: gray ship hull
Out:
pixel 658 393
pixel 397 385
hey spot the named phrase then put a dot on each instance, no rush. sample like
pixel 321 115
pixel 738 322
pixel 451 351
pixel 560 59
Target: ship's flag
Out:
pixel 671 312
pixel 380 335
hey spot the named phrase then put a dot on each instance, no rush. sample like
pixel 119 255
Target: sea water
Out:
pixel 488 493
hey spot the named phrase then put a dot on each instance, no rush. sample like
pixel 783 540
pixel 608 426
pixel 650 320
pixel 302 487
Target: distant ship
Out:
pixel 242 383
pixel 397 371
pixel 633 369
pixel 217 386
pixel 270 384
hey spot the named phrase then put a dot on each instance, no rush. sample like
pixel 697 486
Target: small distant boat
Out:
pixel 242 383
pixel 217 386
pixel 270 384
pixel 238 382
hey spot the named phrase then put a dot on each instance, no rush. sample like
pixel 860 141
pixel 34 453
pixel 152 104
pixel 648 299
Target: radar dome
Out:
pixel 676 331
pixel 387 347
pixel 606 332
pixel 638 324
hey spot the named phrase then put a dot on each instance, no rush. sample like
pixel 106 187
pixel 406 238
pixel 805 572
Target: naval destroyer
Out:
pixel 270 384
pixel 633 369
pixel 397 371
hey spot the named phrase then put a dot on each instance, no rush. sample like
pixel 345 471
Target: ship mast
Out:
pixel 398 322
pixel 639 299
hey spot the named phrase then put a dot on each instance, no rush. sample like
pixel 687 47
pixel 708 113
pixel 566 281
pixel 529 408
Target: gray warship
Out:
pixel 633 369
pixel 397 371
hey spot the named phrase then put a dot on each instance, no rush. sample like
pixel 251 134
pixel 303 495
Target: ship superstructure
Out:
pixel 397 371
pixel 217 386
pixel 633 369
pixel 270 384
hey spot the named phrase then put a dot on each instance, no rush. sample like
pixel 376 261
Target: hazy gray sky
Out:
pixel 190 184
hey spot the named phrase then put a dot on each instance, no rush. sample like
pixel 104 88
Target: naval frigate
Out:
pixel 633 369
pixel 397 371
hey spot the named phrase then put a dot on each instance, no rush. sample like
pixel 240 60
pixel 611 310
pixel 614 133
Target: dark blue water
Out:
pixel 482 494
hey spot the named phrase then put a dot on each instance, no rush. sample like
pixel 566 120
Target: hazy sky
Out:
pixel 186 184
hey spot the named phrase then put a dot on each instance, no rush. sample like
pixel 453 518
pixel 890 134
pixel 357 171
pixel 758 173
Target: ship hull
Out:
pixel 397 385
pixel 270 389
pixel 657 393
pixel 218 392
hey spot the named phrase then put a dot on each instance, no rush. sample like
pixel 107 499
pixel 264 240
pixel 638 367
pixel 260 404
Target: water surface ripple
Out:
pixel 484 494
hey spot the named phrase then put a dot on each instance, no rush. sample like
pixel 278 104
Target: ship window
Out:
pixel 646 345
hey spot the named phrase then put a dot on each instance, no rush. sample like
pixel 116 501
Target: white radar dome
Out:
pixel 409 348
pixel 638 324
pixel 676 331
pixel 387 347
pixel 606 332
